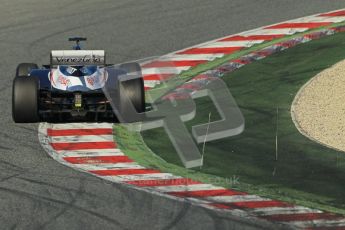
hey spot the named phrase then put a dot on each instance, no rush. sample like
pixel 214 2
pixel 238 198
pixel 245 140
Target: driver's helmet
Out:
pixel 78 71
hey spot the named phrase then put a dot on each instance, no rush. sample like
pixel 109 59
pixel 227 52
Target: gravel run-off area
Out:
pixel 318 110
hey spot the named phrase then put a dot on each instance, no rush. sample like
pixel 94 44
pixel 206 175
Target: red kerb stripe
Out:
pixel 98 159
pixel 157 77
pixel 205 193
pixel 333 14
pixel 260 204
pixel 79 132
pixel 115 172
pixel 157 64
pixel 83 145
pixel 292 25
pixel 216 50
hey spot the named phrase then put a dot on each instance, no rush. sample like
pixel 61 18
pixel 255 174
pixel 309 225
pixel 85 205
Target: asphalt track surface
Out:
pixel 36 192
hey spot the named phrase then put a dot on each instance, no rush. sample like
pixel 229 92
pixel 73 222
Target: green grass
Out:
pixel 305 173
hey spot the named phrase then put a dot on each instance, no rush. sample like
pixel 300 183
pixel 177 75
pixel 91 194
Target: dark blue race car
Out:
pixel 77 85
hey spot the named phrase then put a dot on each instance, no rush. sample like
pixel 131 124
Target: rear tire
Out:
pixel 134 88
pixel 25 100
pixel 131 68
pixel 24 69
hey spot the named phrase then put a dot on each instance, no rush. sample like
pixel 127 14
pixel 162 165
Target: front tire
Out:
pixel 25 100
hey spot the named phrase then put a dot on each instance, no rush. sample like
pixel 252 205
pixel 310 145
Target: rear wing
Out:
pixel 77 57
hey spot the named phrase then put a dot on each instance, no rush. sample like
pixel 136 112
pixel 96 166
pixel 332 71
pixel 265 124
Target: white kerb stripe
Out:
pixel 108 166
pixel 151 84
pixel 190 57
pixel 164 70
pixel 81 126
pixel 274 31
pixel 90 152
pixel 235 198
pixel 185 188
pixel 233 44
pixel 83 138
pixel 138 177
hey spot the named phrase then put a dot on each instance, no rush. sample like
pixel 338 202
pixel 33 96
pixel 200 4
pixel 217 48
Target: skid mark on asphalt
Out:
pixel 50 201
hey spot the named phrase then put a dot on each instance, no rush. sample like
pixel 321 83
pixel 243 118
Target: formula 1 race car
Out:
pixel 77 85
